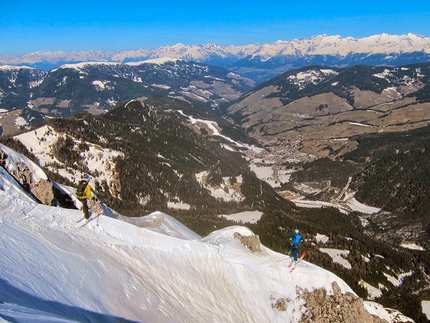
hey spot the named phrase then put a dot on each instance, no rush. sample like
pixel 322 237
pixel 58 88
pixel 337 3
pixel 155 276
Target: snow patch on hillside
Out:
pixel 11 68
pixel 302 79
pixel 244 217
pixel 157 61
pixel 412 246
pixel 98 160
pixel 225 191
pixel 338 256
pixel 426 308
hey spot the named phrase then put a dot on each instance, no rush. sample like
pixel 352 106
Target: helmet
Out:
pixel 86 177
pixel 296 231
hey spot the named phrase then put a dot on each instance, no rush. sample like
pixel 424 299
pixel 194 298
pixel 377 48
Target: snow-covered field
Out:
pixel 244 217
pixel 426 308
pixel 338 256
pixel 373 291
pixel 99 160
pixel 351 205
pixel 267 174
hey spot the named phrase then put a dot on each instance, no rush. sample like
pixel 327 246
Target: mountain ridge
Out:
pixel 343 51
pixel 97 87
pixel 320 44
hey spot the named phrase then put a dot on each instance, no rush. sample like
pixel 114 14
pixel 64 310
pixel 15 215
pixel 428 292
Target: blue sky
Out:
pixel 45 25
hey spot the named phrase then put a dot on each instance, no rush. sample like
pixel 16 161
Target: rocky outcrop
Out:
pixel 251 242
pixel 324 308
pixel 43 190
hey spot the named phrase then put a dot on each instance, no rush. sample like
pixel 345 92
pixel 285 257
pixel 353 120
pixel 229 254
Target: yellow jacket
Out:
pixel 87 193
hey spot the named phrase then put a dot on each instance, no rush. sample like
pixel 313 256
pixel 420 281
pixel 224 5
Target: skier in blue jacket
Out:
pixel 295 239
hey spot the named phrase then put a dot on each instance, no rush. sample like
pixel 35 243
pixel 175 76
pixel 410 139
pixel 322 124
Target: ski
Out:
pixel 95 209
pixel 90 219
pixel 300 259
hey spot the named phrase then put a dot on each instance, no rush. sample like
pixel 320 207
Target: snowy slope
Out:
pixel 148 269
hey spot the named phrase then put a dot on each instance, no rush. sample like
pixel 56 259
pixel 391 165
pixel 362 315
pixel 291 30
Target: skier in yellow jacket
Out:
pixel 83 193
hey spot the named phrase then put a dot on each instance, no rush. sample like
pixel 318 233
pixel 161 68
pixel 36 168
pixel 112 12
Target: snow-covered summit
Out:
pixel 316 45
pixel 147 269
pixel 13 68
pixel 83 65
pixel 156 61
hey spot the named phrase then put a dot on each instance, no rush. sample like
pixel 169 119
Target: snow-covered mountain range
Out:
pixel 151 268
pixel 317 45
pixel 258 61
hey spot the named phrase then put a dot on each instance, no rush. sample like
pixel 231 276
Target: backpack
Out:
pixel 80 191
pixel 296 239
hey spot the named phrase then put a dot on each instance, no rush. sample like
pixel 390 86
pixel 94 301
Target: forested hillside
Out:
pixel 388 170
pixel 396 179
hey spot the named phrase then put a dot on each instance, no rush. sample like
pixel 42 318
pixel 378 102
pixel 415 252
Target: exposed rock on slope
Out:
pixel 325 308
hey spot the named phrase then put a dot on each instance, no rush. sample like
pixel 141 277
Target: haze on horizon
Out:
pixel 30 26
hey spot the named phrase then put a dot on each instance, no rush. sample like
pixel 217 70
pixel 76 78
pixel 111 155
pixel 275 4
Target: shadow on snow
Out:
pixel 11 294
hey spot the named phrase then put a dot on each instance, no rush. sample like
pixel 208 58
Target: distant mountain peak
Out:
pixel 318 44
pixel 13 68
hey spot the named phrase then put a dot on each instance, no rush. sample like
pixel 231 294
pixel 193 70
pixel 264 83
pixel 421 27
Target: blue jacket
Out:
pixel 296 239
